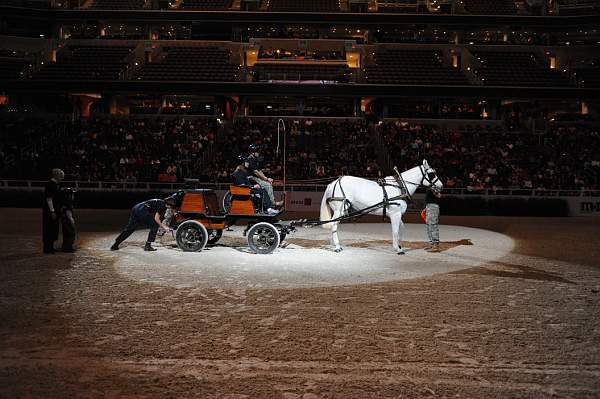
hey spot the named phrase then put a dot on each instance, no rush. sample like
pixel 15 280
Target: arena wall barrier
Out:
pixel 474 204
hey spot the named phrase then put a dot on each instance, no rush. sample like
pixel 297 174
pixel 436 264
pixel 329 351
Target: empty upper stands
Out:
pixel 304 5
pixel 117 4
pixel 295 71
pixel 578 7
pixel 397 6
pixel 191 63
pixel 13 67
pixel 206 4
pixel 87 63
pixel 588 77
pixel 512 68
pixel 400 66
pixel 490 7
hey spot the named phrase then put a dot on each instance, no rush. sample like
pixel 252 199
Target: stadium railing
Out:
pixel 38 185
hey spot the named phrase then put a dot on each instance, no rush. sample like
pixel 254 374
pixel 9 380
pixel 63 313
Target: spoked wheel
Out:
pixel 191 236
pixel 263 238
pixel 227 202
pixel 214 236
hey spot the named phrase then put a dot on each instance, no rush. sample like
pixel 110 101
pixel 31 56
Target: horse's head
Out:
pixel 430 178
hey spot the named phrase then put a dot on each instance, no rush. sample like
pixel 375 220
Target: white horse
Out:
pixel 349 193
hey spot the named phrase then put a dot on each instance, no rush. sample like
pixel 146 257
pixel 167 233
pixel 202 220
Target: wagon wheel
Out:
pixel 191 236
pixel 227 202
pixel 263 238
pixel 213 236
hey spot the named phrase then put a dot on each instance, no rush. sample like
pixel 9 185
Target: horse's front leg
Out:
pixel 397 227
pixel 334 237
pixel 335 240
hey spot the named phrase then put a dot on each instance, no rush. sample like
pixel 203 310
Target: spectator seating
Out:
pixel 117 4
pixel 206 4
pixel 490 7
pixel 490 159
pixel 511 68
pixel 191 63
pixel 300 71
pixel 419 67
pixel 84 63
pixel 172 148
pixel 13 68
pixel 588 77
pixel 304 5
pixel 82 31
pixel 397 6
pixel 578 7
pixel 39 4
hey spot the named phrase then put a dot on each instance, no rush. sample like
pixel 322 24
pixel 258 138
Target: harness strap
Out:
pixel 385 198
pixel 338 183
pixel 403 187
pixel 397 197
pixel 387 201
pixel 403 192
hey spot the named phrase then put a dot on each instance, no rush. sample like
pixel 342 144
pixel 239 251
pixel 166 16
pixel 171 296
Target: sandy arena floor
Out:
pixel 306 258
pixel 508 309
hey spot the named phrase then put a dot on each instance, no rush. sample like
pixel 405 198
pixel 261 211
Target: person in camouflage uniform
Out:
pixel 432 209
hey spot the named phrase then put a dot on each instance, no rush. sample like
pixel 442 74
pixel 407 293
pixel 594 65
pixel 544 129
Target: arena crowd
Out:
pixel 171 149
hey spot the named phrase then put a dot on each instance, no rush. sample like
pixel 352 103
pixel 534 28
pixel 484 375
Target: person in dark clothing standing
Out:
pixel 432 209
pixel 148 213
pixel 50 209
pixel 67 220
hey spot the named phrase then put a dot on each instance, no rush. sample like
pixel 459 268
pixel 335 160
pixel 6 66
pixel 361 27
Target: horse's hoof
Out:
pixel 401 252
pixel 338 250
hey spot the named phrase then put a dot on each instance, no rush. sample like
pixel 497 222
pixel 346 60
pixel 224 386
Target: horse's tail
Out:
pixel 325 209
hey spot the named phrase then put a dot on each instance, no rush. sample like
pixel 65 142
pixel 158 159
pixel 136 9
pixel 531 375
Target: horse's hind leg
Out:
pixel 397 227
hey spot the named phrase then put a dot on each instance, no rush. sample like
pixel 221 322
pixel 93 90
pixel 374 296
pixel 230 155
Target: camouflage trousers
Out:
pixel 267 186
pixel 433 218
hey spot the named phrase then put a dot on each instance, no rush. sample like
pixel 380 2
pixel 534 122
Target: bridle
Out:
pixel 426 176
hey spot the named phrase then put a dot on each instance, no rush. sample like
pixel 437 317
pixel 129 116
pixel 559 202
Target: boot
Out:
pixel 119 240
pixel 148 247
pixel 435 248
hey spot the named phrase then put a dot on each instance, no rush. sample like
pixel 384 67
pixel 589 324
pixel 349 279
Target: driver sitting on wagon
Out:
pixel 252 164
pixel 240 178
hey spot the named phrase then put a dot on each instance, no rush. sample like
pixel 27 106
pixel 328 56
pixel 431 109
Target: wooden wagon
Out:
pixel 200 220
